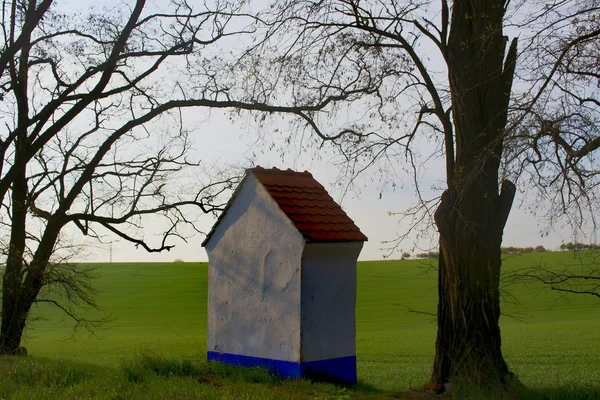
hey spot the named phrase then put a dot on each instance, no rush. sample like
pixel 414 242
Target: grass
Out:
pixel 154 344
pixel 152 377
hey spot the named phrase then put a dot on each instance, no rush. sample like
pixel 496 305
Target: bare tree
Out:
pixel 94 136
pixel 406 82
pixel 78 94
pixel 553 134
pixel 76 150
pixel 553 146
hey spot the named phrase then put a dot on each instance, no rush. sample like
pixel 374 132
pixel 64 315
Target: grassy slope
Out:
pixel 556 341
pixel 161 308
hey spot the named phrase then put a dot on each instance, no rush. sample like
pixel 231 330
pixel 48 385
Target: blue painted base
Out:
pixel 336 369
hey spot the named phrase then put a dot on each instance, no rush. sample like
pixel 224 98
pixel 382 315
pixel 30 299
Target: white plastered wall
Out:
pixel 254 279
pixel 329 300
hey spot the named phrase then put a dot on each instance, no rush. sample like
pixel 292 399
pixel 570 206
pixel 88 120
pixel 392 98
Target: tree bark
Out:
pixel 468 345
pixel 473 210
pixel 21 290
pixel 13 315
pixel 14 308
pixel 13 326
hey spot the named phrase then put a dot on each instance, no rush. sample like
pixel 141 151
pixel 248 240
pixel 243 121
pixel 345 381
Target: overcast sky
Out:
pixel 221 141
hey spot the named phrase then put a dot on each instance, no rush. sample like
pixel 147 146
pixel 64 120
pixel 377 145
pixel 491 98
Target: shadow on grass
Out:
pixel 66 377
pixel 221 375
pixel 520 392
pixel 311 388
pixel 147 366
pixel 569 392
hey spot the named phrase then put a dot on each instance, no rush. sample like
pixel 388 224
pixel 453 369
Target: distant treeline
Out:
pixel 579 246
pixel 505 250
pixel 518 250
pixel 429 254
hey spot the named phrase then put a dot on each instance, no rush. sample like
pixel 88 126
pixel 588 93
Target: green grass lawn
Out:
pixel 160 310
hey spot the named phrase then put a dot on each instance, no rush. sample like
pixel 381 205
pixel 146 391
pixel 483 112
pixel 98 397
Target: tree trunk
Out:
pixel 473 212
pixel 20 293
pixel 13 325
pixel 468 345
pixel 14 313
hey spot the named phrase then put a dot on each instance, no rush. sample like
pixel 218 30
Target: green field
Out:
pixel 160 310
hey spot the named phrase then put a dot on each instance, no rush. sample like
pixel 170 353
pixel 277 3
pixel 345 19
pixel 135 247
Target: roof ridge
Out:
pixel 277 171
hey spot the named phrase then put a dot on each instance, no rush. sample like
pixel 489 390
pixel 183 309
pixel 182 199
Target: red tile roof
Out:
pixel 308 205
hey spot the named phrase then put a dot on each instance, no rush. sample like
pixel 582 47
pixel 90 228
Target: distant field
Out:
pixel 161 309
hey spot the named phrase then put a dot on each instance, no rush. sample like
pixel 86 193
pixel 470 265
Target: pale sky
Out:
pixel 221 141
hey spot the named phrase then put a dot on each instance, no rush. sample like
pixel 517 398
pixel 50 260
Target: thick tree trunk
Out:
pixel 468 343
pixel 14 308
pixel 19 290
pixel 14 311
pixel 473 211
pixel 20 293
pixel 13 326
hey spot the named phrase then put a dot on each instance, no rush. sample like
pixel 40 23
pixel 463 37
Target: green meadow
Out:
pixel 152 344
